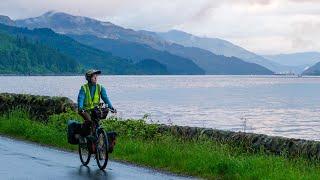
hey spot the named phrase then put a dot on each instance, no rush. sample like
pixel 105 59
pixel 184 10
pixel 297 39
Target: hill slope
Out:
pixel 19 56
pixel 152 67
pixel 89 57
pixel 313 70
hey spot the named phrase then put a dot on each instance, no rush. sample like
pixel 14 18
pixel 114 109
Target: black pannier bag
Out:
pixel 74 128
pixel 112 140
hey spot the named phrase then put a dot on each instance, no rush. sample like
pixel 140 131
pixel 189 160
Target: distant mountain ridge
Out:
pixel 6 20
pixel 137 52
pixel 296 59
pixel 69 24
pixel 209 61
pixel 299 61
pixel 219 47
pixel 87 56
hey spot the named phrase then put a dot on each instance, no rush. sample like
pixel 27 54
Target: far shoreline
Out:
pixel 240 75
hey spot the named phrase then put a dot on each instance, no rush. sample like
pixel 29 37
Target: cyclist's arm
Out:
pixel 105 97
pixel 81 97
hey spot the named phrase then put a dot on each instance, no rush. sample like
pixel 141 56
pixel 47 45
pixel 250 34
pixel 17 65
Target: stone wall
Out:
pixel 252 142
pixel 39 107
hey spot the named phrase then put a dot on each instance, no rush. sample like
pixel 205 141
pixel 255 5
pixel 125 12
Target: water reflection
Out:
pixel 86 172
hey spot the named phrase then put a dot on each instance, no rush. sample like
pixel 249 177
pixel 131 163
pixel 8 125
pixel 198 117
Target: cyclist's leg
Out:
pixel 86 128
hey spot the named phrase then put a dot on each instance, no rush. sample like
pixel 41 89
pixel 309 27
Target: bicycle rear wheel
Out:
pixel 84 152
pixel 102 151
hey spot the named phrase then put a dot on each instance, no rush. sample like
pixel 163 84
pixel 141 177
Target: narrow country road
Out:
pixel 22 160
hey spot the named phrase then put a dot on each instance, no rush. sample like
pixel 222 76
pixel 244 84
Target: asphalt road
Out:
pixel 23 160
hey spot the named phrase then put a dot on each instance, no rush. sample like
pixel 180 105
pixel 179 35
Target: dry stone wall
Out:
pixel 39 107
pixel 250 141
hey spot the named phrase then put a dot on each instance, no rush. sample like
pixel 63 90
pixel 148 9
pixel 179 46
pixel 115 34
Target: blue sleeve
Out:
pixel 105 98
pixel 81 97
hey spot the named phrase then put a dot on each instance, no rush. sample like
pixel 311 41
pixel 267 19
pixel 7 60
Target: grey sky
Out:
pixel 262 26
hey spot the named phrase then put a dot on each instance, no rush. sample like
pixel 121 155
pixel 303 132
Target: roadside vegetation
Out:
pixel 140 143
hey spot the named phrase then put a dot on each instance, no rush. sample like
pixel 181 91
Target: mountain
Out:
pixel 296 59
pixel 6 20
pixel 137 52
pixel 68 24
pixel 219 47
pixel 212 64
pixel 218 64
pixel 298 62
pixel 64 23
pixel 87 56
pixel 18 55
pixel 313 70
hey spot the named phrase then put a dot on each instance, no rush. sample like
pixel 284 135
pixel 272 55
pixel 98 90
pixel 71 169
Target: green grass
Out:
pixel 139 143
pixel 18 124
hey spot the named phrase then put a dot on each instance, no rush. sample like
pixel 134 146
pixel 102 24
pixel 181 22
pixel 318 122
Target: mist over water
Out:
pixel 273 105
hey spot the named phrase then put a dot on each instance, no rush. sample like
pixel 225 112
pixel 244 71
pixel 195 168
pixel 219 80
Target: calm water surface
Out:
pixel 284 106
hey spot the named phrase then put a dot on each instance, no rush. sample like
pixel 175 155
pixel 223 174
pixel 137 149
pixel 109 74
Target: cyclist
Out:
pixel 89 97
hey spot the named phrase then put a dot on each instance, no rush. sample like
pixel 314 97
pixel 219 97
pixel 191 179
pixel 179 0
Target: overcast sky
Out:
pixel 262 26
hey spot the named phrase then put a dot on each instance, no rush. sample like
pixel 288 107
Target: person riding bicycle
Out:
pixel 89 97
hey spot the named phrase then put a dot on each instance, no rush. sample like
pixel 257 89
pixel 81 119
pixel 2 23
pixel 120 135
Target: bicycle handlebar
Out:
pixel 112 110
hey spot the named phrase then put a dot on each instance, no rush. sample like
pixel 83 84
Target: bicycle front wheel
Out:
pixel 102 151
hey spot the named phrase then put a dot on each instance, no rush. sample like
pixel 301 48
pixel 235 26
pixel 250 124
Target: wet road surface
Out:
pixel 22 160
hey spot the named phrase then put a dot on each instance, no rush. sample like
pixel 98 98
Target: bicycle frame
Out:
pixel 94 143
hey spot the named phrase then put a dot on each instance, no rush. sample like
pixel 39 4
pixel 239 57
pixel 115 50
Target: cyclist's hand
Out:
pixel 81 111
pixel 113 110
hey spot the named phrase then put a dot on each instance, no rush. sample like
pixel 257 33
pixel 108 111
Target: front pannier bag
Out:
pixel 74 128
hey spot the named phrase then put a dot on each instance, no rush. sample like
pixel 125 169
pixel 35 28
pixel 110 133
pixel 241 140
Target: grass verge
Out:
pixel 139 143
